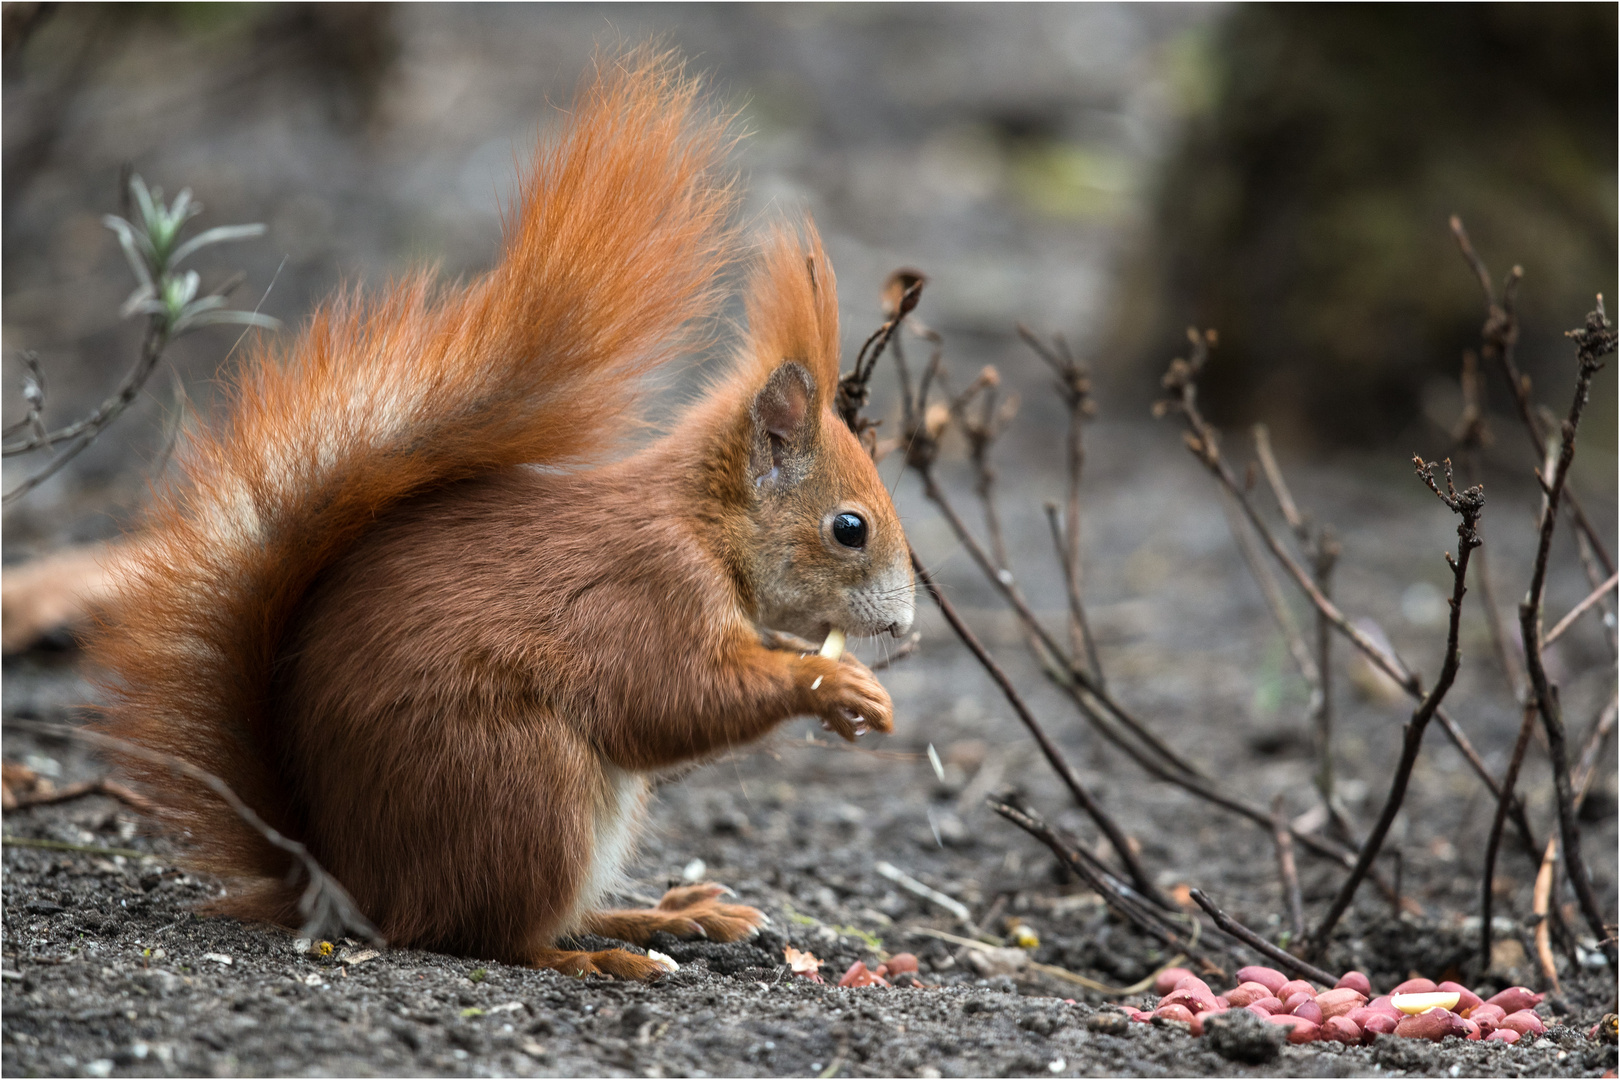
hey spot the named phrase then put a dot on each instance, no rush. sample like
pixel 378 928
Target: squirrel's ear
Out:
pixel 783 421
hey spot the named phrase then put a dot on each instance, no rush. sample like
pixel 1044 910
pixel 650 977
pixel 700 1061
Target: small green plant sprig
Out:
pixel 168 296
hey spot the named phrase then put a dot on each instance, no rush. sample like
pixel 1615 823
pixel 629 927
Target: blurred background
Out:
pixel 1110 172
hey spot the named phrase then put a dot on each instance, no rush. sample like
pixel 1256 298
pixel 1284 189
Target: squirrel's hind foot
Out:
pixel 689 911
pixel 618 963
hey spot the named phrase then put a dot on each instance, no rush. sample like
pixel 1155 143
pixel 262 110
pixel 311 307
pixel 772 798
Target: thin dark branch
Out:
pixel 1285 960
pixel 1092 705
pixel 1594 575
pixel 1469 504
pixel 1075 679
pixel 1324 552
pixel 1586 768
pixel 1470 436
pixel 1494 842
pixel 1143 917
pixel 1054 756
pixel 1181 381
pixel 1500 336
pixel 1286 870
pixel 1325 558
pixel 1593 341
pixel 1580 609
pixel 325 905
pixel 1080 635
pixel 1272 594
pixel 85 431
pixel 1074 387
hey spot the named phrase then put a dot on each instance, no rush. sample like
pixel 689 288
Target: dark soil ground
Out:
pixel 920 135
pixel 109 967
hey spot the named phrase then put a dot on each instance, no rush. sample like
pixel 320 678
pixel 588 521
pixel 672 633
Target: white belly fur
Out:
pixel 619 809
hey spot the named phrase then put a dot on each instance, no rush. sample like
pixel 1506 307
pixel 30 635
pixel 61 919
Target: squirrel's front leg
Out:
pixel 707 702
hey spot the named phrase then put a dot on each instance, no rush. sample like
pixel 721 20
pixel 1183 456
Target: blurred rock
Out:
pixel 1306 214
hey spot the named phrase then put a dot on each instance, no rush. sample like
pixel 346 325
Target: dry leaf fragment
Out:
pixel 802 963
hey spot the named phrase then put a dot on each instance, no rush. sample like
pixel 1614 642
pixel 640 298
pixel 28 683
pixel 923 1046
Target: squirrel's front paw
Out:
pixel 846 696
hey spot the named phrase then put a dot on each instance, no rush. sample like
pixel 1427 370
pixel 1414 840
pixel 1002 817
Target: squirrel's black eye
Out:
pixel 849 530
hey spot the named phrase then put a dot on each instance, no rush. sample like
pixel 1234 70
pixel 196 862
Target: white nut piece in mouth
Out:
pixel 833 647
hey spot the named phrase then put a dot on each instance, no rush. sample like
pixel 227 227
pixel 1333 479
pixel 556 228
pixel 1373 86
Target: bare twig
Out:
pixel 326 906
pixel 901 294
pixel 1286 869
pixel 1092 705
pixel 1586 768
pixel 1541 901
pixel 1493 843
pixel 85 431
pixel 1181 381
pixel 1593 341
pixel 1580 609
pixel 1500 336
pixel 1144 918
pixel 1323 550
pixel 1469 504
pixel 1069 676
pixel 1470 436
pixel 1080 635
pixel 1283 959
pixel 101 786
pixel 917 888
pixel 1074 387
pixel 1272 593
pixel 1054 756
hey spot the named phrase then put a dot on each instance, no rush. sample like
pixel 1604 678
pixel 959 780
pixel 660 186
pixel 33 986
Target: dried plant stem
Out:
pixel 1580 609
pixel 1098 708
pixel 1074 680
pixel 1286 869
pixel 1540 904
pixel 1181 381
pixel 1586 768
pixel 1469 503
pixel 1080 635
pixel 1593 341
pixel 1605 604
pixel 1054 756
pixel 1144 918
pixel 1326 557
pixel 325 905
pixel 1494 842
pixel 1272 593
pixel 84 432
pixel 1285 960
pixel 1500 338
pixel 103 786
pixel 1074 387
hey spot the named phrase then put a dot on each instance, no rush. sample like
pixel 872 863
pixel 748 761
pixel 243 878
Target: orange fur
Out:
pixel 450 675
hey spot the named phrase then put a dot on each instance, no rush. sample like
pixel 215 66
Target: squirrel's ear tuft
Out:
pixel 793 310
pixel 784 422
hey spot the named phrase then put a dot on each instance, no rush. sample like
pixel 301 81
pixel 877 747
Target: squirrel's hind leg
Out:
pixel 690 911
pixel 616 962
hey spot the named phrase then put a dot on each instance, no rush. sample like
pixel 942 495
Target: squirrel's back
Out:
pixel 613 251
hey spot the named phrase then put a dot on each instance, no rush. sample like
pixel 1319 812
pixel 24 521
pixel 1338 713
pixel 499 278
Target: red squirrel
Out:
pixel 397 601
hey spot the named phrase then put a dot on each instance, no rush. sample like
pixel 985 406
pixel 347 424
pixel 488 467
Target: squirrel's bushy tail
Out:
pixel 614 248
